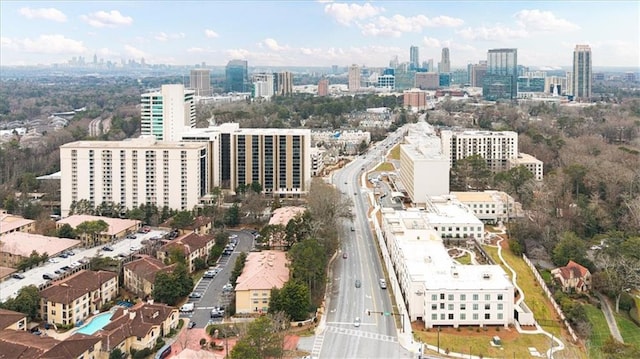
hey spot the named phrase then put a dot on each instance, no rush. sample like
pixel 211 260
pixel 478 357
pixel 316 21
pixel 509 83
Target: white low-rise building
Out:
pixel 490 206
pixel 451 218
pixel 534 165
pixel 436 289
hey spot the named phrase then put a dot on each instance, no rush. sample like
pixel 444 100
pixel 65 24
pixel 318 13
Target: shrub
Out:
pixel 141 354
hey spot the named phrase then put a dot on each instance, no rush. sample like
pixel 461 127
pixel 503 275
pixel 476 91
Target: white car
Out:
pixel 356 322
pixel 53 260
pixel 233 236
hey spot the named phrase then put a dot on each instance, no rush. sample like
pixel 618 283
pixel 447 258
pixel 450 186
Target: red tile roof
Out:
pixel 19 344
pixel 189 242
pixel 9 317
pixel 75 286
pixel 148 267
pixel 71 347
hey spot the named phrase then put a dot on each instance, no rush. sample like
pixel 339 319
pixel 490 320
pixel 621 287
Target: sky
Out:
pixel 317 33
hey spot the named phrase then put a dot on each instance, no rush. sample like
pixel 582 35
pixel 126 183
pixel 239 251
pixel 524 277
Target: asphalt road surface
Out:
pixel 376 334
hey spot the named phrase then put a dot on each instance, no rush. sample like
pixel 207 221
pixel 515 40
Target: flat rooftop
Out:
pixel 116 225
pixel 23 244
pixel 142 142
pixel 9 222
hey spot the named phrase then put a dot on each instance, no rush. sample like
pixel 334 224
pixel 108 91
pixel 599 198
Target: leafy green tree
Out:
pixel 136 213
pixel 170 287
pixel 91 229
pixel 199 263
pixel 116 353
pixel 308 263
pixel 176 255
pixel 182 220
pixel 26 302
pixel 104 263
pixel 66 231
pixel 471 173
pixel 256 187
pixel 237 268
pixel 516 178
pixel 569 247
pixel 232 217
pixel 293 299
pixel 263 339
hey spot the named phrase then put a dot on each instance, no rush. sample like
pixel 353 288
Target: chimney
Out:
pixel 132 315
pixel 150 301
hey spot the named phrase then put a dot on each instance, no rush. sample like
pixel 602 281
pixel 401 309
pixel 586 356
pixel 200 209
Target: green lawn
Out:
pixel 385 167
pixel 534 296
pixel 395 153
pixel 599 330
pixel 629 330
pixel 465 259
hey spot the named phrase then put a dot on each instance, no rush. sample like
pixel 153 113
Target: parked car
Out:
pixel 191 325
pixel 18 276
pixel 208 274
pixel 189 307
pixel 107 248
pixel 344 255
pixel 48 276
pixel 358 283
pixel 227 287
pixel 195 295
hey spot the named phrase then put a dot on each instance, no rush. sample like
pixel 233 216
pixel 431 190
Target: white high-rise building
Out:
pixel 133 172
pixel 496 147
pixel 354 78
pixel 200 82
pixel 263 85
pixel 167 113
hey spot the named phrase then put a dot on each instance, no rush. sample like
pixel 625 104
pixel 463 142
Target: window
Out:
pixel 450 316
pixel 434 307
pixel 475 297
pixel 442 316
pixel 442 296
pixel 499 315
pixel 463 316
pixel 499 306
pixel 434 316
pixel 441 305
pixel 450 306
pixel 434 297
pixel 475 306
pixel 499 296
pixel 450 296
pixel 475 316
pixel 487 297
pixel 463 306
pixel 463 297
pixel 487 316
pixel 487 306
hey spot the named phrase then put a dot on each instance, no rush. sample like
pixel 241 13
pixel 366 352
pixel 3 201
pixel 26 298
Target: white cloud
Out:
pixel 43 13
pixel 111 18
pixel 536 20
pixel 106 52
pixel 495 33
pixel 237 53
pixel 134 52
pixel 272 44
pixel 347 13
pixel 396 25
pixel 195 50
pixel 431 42
pixel 48 44
pixel 211 34
pixel 163 36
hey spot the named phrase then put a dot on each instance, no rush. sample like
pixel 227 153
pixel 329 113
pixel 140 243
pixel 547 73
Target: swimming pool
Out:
pixel 98 322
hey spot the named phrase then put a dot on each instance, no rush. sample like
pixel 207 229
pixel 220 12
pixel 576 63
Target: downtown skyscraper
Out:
pixel 414 57
pixel 445 61
pixel 237 76
pixel 501 79
pixel 582 72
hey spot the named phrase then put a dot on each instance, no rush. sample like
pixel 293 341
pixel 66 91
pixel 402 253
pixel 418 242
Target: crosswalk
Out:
pixel 361 334
pixel 317 345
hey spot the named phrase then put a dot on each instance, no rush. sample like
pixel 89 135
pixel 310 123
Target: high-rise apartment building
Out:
pixel 166 113
pixel 278 159
pixel 354 77
pixel 283 83
pixel 477 74
pixel 263 85
pixel 200 82
pixel 414 57
pixel 496 147
pixel 133 172
pixel 582 72
pixel 237 76
pixel 323 87
pixel 500 81
pixel 445 62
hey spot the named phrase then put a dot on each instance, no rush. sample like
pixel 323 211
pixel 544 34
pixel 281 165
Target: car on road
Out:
pixel 209 274
pixel 344 255
pixel 353 229
pixel 383 283
pixel 227 287
pixel 18 276
pixel 191 325
pixel 356 322
pixel 188 307
pixel 53 260
pixel 195 295
pixel 358 283
pixel 233 236
pixel 107 248
pixel 217 312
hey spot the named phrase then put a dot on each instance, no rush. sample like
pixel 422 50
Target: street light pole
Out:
pixel 438 339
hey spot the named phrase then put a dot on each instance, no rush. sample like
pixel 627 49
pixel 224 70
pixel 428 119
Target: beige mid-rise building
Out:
pixel 262 272
pixel 133 172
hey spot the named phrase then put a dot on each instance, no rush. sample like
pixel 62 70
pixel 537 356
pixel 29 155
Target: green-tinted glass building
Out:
pixel 237 76
pixel 501 80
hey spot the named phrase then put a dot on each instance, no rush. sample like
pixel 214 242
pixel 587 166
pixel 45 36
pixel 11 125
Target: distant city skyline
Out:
pixel 318 33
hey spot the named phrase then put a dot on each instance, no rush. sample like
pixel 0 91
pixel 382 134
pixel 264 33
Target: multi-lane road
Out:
pixel 376 335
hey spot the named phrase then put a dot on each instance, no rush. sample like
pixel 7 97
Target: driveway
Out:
pixel 608 315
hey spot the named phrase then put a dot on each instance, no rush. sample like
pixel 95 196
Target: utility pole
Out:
pixel 438 339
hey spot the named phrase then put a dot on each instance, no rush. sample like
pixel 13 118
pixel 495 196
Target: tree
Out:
pixel 182 220
pixel 170 287
pixel 90 230
pixel 26 302
pixel 238 266
pixel 256 187
pixel 66 231
pixel 293 299
pixel 263 339
pixel 116 353
pixel 620 273
pixel 308 263
pixel 516 178
pixel 232 217
pixel 471 173
pixel 570 247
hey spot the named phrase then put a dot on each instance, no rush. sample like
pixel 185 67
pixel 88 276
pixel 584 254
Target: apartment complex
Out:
pixel 490 206
pixel 445 62
pixel 415 99
pixel 134 172
pixel 10 223
pixel 12 320
pixel 19 344
pixel 18 246
pixel 140 275
pixel 425 169
pixel 75 298
pixel 323 87
pixel 262 272
pixel 278 159
pixel 166 113
pixel 116 227
pixel 534 165
pixel 582 72
pixel 496 147
pixel 451 219
pixel 435 288
pixel 192 245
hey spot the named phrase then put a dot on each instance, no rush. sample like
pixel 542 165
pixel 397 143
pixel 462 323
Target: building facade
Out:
pixel 167 113
pixel 133 172
pixel 354 78
pixel 262 272
pixel 283 83
pixel 500 81
pixel 323 87
pixel 263 85
pixel 496 147
pixel 140 275
pixel 237 76
pixel 534 165
pixel 582 72
pixel 424 168
pixel 192 245
pixel 414 57
pixel 200 82
pixel 445 62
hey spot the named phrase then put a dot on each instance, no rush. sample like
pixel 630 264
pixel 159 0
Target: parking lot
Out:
pixel 214 296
